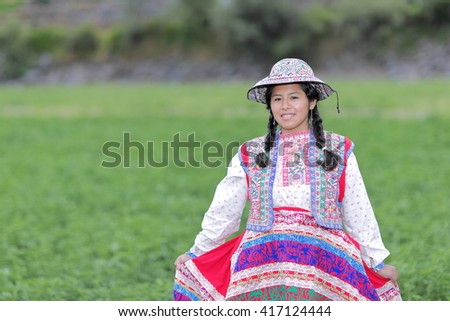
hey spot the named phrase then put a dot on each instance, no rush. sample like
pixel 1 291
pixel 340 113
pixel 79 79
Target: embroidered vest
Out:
pixel 327 187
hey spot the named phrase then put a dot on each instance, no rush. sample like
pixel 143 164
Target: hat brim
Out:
pixel 258 91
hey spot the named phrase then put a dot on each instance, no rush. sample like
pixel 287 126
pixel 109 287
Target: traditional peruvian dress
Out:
pixel 310 234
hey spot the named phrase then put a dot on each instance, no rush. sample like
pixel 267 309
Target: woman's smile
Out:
pixel 290 107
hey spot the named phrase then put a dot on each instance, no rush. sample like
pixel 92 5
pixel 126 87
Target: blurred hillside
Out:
pixel 184 40
pixel 69 13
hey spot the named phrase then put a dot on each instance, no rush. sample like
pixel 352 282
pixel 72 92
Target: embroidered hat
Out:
pixel 286 71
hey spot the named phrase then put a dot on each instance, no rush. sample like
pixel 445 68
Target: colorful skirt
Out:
pixel 296 260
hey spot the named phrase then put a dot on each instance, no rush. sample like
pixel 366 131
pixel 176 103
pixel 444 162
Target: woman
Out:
pixel 311 233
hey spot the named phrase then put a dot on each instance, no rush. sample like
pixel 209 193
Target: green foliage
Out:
pixel 150 38
pixel 10 5
pixel 377 25
pixel 73 230
pixel 273 29
pixel 264 29
pixel 45 40
pixel 196 17
pixel 21 46
pixel 84 43
pixel 435 13
pixel 17 58
pixel 182 27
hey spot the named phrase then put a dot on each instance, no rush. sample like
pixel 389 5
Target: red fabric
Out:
pixel 245 159
pixel 244 154
pixel 377 280
pixel 289 208
pixel 347 146
pixel 215 264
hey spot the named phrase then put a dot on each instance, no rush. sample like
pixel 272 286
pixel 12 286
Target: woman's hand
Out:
pixel 181 259
pixel 389 272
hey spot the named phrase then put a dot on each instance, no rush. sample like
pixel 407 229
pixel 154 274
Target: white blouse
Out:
pixel 223 217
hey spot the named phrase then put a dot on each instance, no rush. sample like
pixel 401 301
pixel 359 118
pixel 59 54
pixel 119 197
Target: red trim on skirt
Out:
pixel 215 264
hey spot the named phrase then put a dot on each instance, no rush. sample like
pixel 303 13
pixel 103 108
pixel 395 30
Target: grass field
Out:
pixel 74 230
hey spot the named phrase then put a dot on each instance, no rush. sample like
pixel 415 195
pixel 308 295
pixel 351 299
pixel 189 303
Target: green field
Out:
pixel 71 229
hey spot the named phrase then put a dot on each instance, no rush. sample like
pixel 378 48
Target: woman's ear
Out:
pixel 312 104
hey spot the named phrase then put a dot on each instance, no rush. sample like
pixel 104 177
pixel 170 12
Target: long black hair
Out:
pixel 330 160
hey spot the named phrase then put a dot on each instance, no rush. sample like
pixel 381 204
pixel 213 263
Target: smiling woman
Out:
pixel 290 107
pixel 311 232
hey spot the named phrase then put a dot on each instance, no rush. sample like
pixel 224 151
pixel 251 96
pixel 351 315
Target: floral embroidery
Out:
pixel 324 185
pixel 261 181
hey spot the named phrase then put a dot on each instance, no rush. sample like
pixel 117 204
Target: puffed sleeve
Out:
pixel 224 214
pixel 358 216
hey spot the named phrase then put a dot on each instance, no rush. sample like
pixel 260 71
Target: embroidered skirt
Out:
pixel 296 260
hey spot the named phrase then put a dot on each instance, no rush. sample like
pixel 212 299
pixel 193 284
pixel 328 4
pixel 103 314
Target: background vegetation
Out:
pixel 73 230
pixel 262 30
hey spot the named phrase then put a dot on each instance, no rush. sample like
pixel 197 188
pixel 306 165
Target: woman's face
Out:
pixel 290 107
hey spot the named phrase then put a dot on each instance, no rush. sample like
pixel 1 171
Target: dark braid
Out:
pixel 331 160
pixel 262 159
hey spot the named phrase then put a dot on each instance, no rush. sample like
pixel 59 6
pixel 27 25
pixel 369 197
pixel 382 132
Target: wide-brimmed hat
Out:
pixel 287 71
